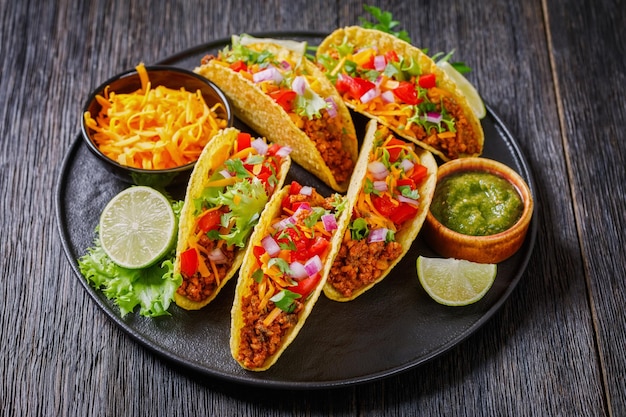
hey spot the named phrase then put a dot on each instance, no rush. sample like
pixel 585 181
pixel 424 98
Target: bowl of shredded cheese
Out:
pixel 149 125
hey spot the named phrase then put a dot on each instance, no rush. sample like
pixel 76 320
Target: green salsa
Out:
pixel 476 203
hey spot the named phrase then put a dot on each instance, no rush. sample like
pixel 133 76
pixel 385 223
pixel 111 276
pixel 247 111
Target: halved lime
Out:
pixel 455 282
pixel 472 96
pixel 137 227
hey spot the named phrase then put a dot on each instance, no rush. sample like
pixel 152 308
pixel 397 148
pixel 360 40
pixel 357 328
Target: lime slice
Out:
pixel 295 46
pixel 455 282
pixel 137 227
pixel 468 90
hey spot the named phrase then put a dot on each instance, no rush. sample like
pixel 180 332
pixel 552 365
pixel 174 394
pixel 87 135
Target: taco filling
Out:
pixel 280 76
pixel 382 82
pixel 288 268
pixel 226 212
pixel 387 202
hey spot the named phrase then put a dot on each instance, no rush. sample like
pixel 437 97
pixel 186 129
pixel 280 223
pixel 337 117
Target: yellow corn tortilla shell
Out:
pixel 361 37
pixel 269 119
pixel 249 266
pixel 409 231
pixel 213 156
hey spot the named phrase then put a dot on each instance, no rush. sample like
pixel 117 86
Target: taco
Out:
pixel 283 96
pixel 390 80
pixel 284 270
pixel 229 187
pixel 394 182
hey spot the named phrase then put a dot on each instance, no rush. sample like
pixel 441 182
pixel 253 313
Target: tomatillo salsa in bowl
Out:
pixel 148 126
pixel 480 211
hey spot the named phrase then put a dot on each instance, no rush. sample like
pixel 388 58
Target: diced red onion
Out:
pixel 313 265
pixel 298 85
pixel 380 185
pixel 378 170
pixel 268 74
pixel 370 95
pixel 408 200
pixel 303 207
pixel 283 151
pixel 380 62
pixel 281 225
pixel 433 117
pixel 285 65
pixel 224 173
pixel 406 165
pixel 332 107
pixel 217 256
pixel 260 146
pixel 377 235
pixel 329 221
pixel 306 190
pixel 388 96
pixel 270 246
pixel 297 271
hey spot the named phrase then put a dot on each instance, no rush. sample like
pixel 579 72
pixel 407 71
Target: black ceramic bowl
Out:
pixel 128 82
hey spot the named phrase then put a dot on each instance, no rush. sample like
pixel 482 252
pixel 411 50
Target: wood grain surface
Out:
pixel 553 70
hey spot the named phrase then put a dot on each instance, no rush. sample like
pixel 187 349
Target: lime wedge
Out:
pixel 295 46
pixel 468 90
pixel 455 282
pixel 137 227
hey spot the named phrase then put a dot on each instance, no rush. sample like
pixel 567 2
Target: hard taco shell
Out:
pixel 213 156
pixel 249 264
pixel 267 118
pixel 360 37
pixel 409 231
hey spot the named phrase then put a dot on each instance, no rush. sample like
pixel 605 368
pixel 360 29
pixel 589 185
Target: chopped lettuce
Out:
pixel 152 288
pixel 246 200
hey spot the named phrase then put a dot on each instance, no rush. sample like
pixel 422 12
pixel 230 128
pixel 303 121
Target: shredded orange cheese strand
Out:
pixel 153 128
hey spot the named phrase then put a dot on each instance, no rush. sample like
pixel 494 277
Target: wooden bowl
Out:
pixel 484 249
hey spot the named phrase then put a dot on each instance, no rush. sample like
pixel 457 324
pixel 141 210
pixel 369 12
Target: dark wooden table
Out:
pixel 555 72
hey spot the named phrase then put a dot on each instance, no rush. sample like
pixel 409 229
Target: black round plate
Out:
pixel 393 327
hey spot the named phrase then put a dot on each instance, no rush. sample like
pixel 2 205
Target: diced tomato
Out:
pixel 272 149
pixel 407 93
pixel 258 251
pixel 243 140
pixel 427 80
pixel 319 246
pixel 306 285
pixel 394 149
pixel 419 173
pixel 406 182
pixel 370 63
pixel 210 221
pixel 284 98
pixel 238 66
pixel 301 242
pixel 396 213
pixel 264 175
pixel 294 188
pixel 383 204
pixel 189 262
pixel 356 87
pixel 392 56
pixel 402 213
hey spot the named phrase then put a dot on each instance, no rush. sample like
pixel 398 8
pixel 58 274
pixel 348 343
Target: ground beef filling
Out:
pixel 359 263
pixel 465 142
pixel 258 341
pixel 197 287
pixel 327 133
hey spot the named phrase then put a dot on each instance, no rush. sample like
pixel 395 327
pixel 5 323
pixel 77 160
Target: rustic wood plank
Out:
pixel 589 58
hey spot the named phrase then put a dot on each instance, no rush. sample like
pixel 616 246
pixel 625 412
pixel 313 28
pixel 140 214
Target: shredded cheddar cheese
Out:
pixel 153 128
